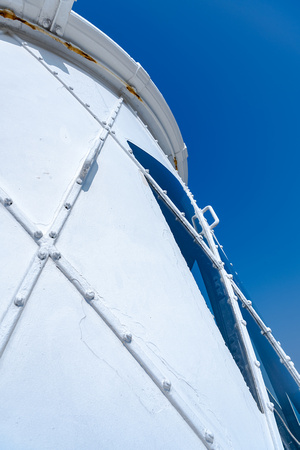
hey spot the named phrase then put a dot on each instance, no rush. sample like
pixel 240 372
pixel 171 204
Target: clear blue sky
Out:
pixel 230 72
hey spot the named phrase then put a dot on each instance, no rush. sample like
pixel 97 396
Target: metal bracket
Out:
pixel 214 215
pixel 54 15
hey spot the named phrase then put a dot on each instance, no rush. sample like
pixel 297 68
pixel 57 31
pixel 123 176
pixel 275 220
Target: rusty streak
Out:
pixel 175 162
pixel 133 92
pixel 7 14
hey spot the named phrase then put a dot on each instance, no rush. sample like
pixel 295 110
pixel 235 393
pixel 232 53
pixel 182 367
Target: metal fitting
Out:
pixel 266 331
pixel 271 406
pixel 19 300
pixel 166 384
pixel 53 234
pixel 42 254
pixel 46 23
pixel 38 234
pixel 59 31
pixel 68 205
pixel 56 255
pixel 257 363
pixel 89 295
pixel 127 337
pixel 7 201
pixel 209 436
pixel 79 181
pixel 243 322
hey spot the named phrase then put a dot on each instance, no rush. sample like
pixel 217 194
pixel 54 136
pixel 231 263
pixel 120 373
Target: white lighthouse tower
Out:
pixel 106 341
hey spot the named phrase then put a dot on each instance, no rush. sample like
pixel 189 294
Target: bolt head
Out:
pixel 59 31
pixel 53 234
pixel 42 254
pixel 7 201
pixel 166 384
pixel 38 234
pixel 127 337
pixel 55 255
pixel 257 363
pixel 90 295
pixel 209 436
pixel 19 300
pixel 79 181
pixel 68 205
pixel 271 406
pixel 46 23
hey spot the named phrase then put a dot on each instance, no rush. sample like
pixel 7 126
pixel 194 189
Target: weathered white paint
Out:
pixel 67 380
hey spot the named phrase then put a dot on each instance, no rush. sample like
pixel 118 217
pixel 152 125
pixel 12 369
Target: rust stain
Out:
pixel 133 92
pixel 78 51
pixel 175 162
pixel 7 14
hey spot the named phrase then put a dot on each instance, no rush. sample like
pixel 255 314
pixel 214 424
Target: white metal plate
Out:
pixel 68 383
pixel 92 92
pixel 45 134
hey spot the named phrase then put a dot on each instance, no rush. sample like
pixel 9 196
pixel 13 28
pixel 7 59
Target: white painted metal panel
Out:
pixel 118 240
pixel 90 91
pixel 45 126
pixel 128 127
pixel 68 383
pixel 17 250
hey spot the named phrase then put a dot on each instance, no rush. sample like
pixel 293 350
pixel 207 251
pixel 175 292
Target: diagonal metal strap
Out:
pixel 46 243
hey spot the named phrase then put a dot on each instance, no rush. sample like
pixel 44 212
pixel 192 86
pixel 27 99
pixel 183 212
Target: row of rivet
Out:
pixel 30 228
pixel 92 156
pixel 179 215
pixel 247 304
pixel 164 384
pixel 12 315
pixel 55 73
pixel 267 332
pixel 218 264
